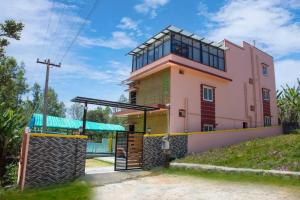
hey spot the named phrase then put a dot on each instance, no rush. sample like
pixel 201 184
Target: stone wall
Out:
pixel 53 159
pixel 153 155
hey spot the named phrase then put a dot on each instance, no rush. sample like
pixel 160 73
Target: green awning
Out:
pixel 66 123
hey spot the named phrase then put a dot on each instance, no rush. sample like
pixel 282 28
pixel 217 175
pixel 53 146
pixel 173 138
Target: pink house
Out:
pixel 200 85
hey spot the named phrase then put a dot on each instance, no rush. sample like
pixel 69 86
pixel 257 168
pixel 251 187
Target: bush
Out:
pixel 11 174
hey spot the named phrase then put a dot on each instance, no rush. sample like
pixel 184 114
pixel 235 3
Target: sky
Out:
pixel 92 37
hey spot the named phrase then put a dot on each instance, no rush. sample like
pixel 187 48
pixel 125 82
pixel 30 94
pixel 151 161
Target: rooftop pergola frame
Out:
pixel 114 104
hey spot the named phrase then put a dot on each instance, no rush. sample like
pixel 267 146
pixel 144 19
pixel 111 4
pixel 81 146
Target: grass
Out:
pixel 280 153
pixel 96 163
pixel 238 177
pixel 71 191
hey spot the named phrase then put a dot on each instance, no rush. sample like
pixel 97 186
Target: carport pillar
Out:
pixel 84 118
pixel 145 121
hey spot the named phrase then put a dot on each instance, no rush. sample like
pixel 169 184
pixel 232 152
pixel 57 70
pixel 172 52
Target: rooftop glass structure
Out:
pixel 182 43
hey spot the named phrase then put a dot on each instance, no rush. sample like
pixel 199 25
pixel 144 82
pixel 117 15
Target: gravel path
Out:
pixel 186 187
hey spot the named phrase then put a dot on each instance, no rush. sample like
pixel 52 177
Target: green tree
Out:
pixel 12 87
pixel 288 101
pixel 37 97
pixel 76 111
pixel 12 123
pixel 9 29
pixel 96 115
pixel 55 107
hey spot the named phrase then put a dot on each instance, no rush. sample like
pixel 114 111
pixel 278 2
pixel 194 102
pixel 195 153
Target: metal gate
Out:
pixel 129 150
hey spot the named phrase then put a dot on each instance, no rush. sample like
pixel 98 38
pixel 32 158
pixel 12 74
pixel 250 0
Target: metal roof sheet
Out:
pixel 66 123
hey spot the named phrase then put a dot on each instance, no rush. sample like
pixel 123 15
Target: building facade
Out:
pixel 200 85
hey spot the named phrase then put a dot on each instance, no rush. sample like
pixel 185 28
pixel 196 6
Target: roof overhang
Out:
pixel 114 104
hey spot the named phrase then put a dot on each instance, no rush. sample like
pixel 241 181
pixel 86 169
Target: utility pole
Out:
pixel 48 65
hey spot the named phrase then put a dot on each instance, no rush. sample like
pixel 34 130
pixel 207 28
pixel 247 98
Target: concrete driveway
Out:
pixel 186 187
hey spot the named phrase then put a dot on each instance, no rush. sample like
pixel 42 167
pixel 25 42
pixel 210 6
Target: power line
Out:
pixel 80 29
pixel 57 26
pixel 48 27
pixel 66 35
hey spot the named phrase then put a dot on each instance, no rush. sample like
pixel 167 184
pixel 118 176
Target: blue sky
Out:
pixel 96 63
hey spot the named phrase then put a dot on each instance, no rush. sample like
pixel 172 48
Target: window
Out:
pixel 245 125
pixel 180 45
pixel 181 113
pixel 208 94
pixel 208 127
pixel 151 54
pixel 267 121
pixel 167 45
pixel 266 94
pixel 265 70
pixel 133 97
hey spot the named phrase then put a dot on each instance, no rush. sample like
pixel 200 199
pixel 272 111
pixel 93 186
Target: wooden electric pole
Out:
pixel 48 65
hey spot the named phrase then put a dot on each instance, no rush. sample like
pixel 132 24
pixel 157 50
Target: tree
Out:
pixel 288 101
pixel 12 123
pixel 12 115
pixel 76 111
pixel 96 115
pixel 36 96
pixel 12 82
pixel 9 29
pixel 55 107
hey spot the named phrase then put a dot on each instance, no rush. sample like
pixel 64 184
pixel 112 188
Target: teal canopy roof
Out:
pixel 65 123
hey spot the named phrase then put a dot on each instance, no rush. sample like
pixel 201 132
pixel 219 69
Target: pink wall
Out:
pixel 203 142
pixel 233 98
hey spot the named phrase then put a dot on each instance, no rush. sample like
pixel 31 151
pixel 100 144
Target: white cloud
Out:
pixel 270 23
pixel 286 72
pixel 128 23
pixel 119 40
pixel 34 44
pixel 150 6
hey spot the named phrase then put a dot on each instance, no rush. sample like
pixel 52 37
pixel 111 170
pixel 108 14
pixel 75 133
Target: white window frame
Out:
pixel 265 70
pixel 208 127
pixel 212 94
pixel 266 94
pixel 267 121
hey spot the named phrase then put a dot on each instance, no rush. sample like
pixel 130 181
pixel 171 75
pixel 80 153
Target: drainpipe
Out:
pixel 254 86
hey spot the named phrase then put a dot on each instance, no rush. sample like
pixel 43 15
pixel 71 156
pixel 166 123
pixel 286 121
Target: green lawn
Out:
pixel 71 191
pixel 280 152
pixel 96 163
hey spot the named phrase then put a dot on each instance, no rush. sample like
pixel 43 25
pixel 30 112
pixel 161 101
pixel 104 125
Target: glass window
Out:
pixel 215 62
pixel 221 64
pixel 133 63
pixel 176 36
pixel 208 94
pixel 205 58
pixel 221 53
pixel 139 61
pixel 267 121
pixel 150 54
pixel 145 60
pixel 211 60
pixel 213 50
pixel 176 47
pixel 196 54
pixel 208 127
pixel 266 94
pixel 196 44
pixel 204 47
pixel 167 46
pixel 265 70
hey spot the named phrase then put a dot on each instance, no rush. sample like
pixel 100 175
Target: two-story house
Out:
pixel 200 85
